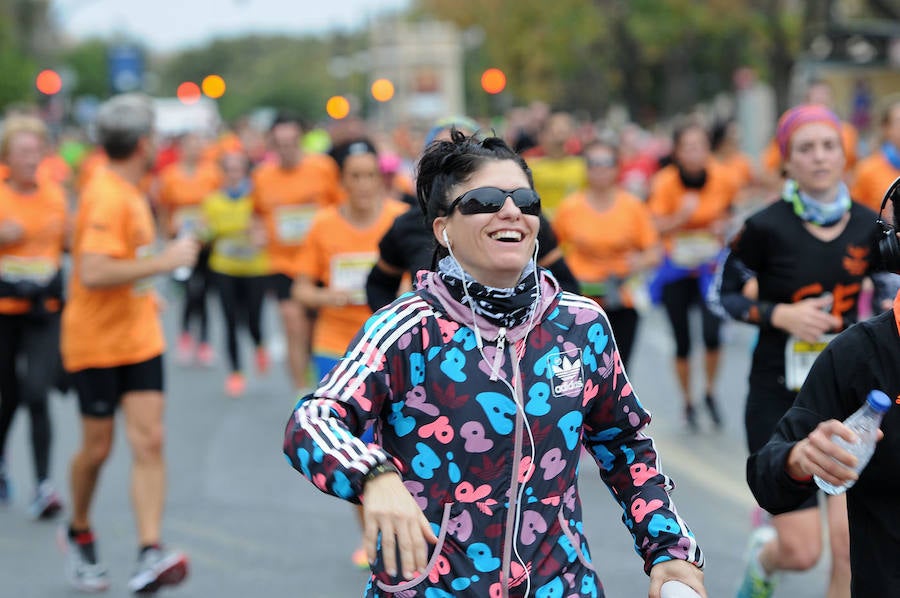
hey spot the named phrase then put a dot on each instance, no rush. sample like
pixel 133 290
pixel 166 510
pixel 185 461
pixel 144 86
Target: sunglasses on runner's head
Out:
pixel 488 200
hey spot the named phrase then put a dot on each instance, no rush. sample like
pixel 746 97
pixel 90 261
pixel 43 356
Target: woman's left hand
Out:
pixel 679 570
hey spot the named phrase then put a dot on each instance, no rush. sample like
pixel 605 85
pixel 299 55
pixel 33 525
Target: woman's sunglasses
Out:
pixel 488 200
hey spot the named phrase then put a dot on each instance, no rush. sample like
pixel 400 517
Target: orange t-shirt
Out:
pixel 182 193
pixel 597 244
pixel 740 168
pixel 111 326
pixel 340 256
pixel 288 199
pixel 90 166
pixel 872 178
pixel 36 257
pixel 667 195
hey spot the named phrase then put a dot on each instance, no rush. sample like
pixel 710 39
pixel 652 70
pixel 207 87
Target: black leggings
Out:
pixel 242 299
pixel 677 298
pixel 623 322
pixel 29 366
pixel 195 289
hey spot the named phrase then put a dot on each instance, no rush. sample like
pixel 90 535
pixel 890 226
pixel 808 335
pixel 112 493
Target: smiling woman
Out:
pixel 486 351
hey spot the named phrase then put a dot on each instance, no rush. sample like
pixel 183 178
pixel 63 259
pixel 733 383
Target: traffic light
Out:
pixel 337 107
pixel 382 90
pixel 213 86
pixel 188 92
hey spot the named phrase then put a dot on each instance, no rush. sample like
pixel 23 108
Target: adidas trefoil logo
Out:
pixel 569 374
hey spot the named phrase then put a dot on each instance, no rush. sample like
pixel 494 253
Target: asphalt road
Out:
pixel 254 527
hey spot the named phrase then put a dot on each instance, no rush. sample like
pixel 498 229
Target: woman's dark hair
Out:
pixel 445 164
pixel 719 133
pixel 341 152
pixel 680 131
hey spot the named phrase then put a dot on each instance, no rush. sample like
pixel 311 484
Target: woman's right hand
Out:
pixel 389 508
pixel 806 319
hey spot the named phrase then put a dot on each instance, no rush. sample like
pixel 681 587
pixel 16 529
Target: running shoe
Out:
pixel 263 361
pixel 690 418
pixel 83 572
pixel 756 584
pixel 713 409
pixel 359 558
pixel 235 385
pixel 46 503
pixel 185 349
pixel 205 355
pixel 157 568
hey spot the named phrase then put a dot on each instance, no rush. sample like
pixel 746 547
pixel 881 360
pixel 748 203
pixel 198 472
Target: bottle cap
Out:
pixel 879 401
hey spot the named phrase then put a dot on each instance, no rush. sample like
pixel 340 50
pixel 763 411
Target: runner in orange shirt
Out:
pixel 607 235
pixel 339 252
pixel 287 195
pixel 183 187
pixel 690 200
pixel 112 343
pixel 32 235
pixel 875 173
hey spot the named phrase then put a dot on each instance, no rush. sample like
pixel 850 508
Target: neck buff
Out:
pixel 892 154
pixel 692 181
pixel 240 190
pixel 817 212
pixel 503 307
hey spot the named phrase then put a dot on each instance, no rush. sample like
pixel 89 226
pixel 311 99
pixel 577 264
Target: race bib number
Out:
pixel 349 272
pixel 187 220
pixel 692 249
pixel 799 357
pixel 237 248
pixel 293 222
pixel 15 269
pixel 144 285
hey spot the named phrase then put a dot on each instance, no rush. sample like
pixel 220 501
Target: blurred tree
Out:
pixel 276 71
pixel 16 84
pixel 91 65
pixel 659 57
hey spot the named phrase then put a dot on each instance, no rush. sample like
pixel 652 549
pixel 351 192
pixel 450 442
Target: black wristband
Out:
pixel 381 468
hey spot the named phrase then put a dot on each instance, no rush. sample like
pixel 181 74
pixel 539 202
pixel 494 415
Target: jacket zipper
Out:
pixel 498 355
pixel 511 532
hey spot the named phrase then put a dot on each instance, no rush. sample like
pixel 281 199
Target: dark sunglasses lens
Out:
pixel 489 200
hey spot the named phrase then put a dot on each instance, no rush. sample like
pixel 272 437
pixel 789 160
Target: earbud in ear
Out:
pixel 446 238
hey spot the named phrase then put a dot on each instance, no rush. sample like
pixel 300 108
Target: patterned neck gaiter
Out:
pixel 816 212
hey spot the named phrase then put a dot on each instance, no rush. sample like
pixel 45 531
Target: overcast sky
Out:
pixel 165 25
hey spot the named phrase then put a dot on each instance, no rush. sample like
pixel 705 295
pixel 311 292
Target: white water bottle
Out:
pixel 182 273
pixel 864 423
pixel 677 589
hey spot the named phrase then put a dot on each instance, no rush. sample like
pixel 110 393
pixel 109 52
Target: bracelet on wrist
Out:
pixel 380 469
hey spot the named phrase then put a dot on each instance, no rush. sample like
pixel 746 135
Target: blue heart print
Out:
pixel 570 424
pixel 566 545
pixel 538 403
pixel 629 454
pixel 589 586
pixel 433 352
pixel 341 485
pixel 607 434
pixel 466 336
pixel 453 363
pixel 453 469
pixel 542 364
pixel 461 583
pixel 552 589
pixel 659 524
pixel 402 424
pixel 303 457
pixel 425 461
pixel 589 360
pixel 416 368
pixel 484 561
pixel 497 407
pixel 597 335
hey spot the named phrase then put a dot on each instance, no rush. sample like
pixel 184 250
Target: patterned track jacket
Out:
pixel 488 434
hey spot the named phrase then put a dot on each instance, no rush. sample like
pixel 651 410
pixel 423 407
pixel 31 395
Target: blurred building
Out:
pixel 424 61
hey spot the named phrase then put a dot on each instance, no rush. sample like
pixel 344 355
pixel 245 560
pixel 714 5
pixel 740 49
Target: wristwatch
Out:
pixel 381 468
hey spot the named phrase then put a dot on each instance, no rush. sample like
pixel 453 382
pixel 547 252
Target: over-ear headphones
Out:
pixel 888 245
pixel 446 238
